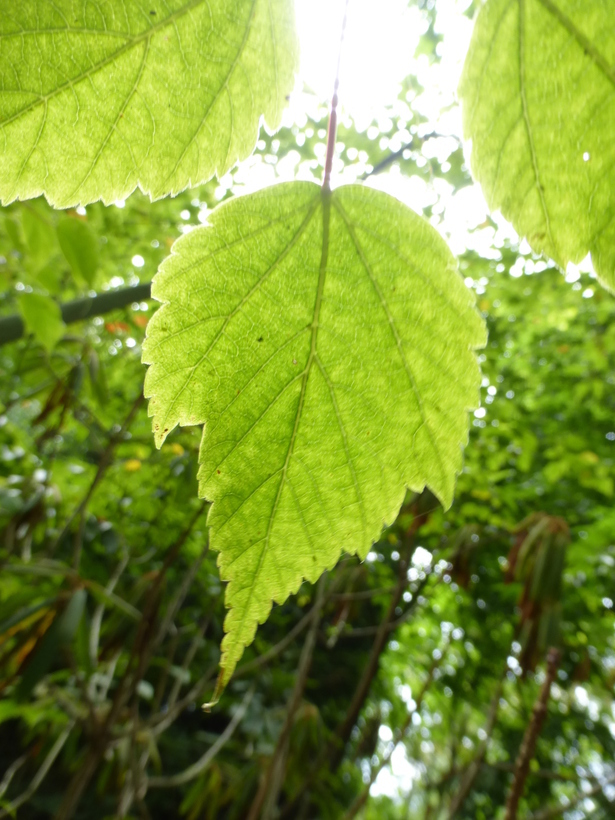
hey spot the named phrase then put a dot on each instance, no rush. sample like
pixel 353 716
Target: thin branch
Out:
pixel 161 722
pixel 395 155
pixel 546 774
pixel 399 736
pixel 278 648
pixel 12 328
pixel 137 664
pixel 103 465
pixel 100 609
pixel 368 631
pixel 41 774
pixel 11 772
pixel 334 752
pixel 477 762
pixel 189 657
pixel 528 746
pixel 197 768
pixel 557 811
pixel 362 595
pixel 326 183
pixel 388 160
pixel 267 796
pixel 166 671
pixel 343 732
pixel 175 605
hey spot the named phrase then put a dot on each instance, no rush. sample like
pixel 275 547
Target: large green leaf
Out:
pixel 97 98
pixel 326 342
pixel 538 94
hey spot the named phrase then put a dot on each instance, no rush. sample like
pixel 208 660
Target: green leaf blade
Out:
pixel 79 247
pixel 326 342
pixel 96 102
pixel 42 317
pixel 538 105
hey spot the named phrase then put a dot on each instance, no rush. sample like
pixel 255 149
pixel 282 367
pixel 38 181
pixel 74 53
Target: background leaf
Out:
pixel 39 237
pixel 55 640
pixel 539 106
pixel 42 317
pixel 97 100
pixel 326 341
pixel 79 246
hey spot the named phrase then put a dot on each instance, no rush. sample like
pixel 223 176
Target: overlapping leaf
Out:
pixel 538 95
pixel 99 97
pixel 326 342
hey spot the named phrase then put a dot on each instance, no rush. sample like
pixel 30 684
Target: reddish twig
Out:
pixel 268 792
pixel 399 736
pixel 528 746
pixel 476 764
pixel 332 132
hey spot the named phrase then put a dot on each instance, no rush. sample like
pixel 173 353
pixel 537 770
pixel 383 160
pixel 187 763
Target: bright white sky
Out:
pixel 381 38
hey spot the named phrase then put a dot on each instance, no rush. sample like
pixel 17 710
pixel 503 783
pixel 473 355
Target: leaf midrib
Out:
pixel 586 44
pixel 528 128
pixel 322 276
pixel 132 42
pixel 325 200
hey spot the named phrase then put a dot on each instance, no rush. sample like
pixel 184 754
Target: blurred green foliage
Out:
pixel 111 608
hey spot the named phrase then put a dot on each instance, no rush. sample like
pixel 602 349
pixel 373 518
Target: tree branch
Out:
pixel 137 663
pixel 528 746
pixel 12 328
pixel 103 465
pixel 269 790
pixel 557 811
pixel 41 773
pixel 395 155
pixel 175 605
pixel 477 762
pixel 399 736
pixel 334 752
pixel 197 768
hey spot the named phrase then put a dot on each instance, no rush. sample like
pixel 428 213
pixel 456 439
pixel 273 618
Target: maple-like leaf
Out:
pixel 325 340
pixel 99 98
pixel 538 95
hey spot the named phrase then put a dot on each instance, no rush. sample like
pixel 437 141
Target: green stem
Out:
pixel 12 328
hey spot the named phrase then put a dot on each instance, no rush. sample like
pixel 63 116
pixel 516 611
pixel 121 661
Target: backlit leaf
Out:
pixel 538 94
pixel 79 247
pixel 99 98
pixel 42 317
pixel 40 237
pixel 326 342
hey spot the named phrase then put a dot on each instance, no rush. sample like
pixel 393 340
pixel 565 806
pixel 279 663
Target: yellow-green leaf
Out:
pixel 538 95
pixel 79 247
pixel 42 317
pixel 99 98
pixel 326 343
